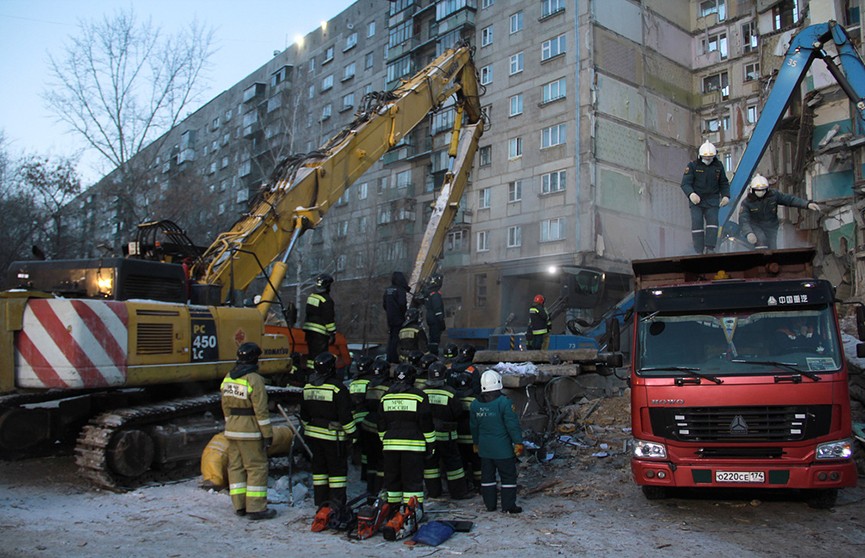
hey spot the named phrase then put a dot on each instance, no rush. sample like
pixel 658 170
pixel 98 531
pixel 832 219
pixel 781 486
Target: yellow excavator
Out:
pixel 123 356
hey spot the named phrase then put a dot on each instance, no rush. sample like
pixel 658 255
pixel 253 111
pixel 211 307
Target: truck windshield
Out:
pixel 738 343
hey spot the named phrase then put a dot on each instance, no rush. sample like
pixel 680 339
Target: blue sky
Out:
pixel 246 34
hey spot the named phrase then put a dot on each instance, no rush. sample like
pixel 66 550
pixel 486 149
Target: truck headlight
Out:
pixel 840 449
pixel 649 450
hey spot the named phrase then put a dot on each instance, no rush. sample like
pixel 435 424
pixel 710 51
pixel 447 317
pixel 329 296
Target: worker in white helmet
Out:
pixel 706 185
pixel 758 214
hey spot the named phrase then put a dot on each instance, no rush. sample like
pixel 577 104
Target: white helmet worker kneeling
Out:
pixel 758 214
pixel 706 185
pixel 498 440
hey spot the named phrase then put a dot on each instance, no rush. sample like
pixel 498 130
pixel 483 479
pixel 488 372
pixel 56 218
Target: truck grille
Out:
pixel 742 424
pixel 155 339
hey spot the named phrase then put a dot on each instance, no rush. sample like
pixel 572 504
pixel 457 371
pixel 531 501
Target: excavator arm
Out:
pixel 304 188
pixel 806 46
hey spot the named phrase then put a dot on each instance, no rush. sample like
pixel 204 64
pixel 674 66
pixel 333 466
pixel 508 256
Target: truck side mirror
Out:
pixel 860 350
pixel 614 336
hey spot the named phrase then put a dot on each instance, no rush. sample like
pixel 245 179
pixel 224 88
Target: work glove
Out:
pixel 695 199
pixel 813 206
pixel 267 443
pixel 752 238
pixel 475 448
pixel 519 450
pixel 724 201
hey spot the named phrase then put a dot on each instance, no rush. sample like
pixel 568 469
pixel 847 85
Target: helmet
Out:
pixel 325 364
pixel 405 373
pixel 380 369
pixel 460 380
pixel 467 352
pixel 759 182
pixel 364 366
pixel 539 299
pixel 414 358
pixel 491 381
pixel 426 361
pixel 708 150
pixel 436 374
pixel 451 350
pixel 412 315
pixel 323 281
pixel 435 281
pixel 248 353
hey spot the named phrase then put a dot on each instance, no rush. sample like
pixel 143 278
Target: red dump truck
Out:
pixel 738 376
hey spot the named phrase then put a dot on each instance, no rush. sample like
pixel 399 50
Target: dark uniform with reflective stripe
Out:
pixel 406 429
pixel 370 442
pixel 539 326
pixel 320 324
pixel 471 460
pixel 446 409
pixel 328 424
pixel 247 423
pixel 411 338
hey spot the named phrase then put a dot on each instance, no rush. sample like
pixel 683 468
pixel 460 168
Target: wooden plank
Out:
pixel 571 355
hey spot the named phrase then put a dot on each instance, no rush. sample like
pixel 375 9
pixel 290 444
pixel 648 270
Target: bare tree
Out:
pixel 52 183
pixel 120 84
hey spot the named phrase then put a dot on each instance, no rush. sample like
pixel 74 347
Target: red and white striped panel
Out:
pixel 73 344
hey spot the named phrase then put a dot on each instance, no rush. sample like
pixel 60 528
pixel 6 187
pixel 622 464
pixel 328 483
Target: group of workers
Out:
pixel 705 184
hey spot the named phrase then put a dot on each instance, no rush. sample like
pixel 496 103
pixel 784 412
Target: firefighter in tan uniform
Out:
pixel 249 434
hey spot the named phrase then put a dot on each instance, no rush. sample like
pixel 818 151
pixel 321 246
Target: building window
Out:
pixel 279 76
pixel 348 71
pixel 223 163
pixel 550 7
pixel 716 43
pixel 363 224
pixel 456 241
pixel 516 63
pixel 487 36
pixel 785 14
pixel 487 3
pixel 485 156
pixel 751 114
pixel 311 65
pixel 340 262
pixel 516 22
pixel 553 182
pixel 515 191
pixel 274 102
pixel 851 13
pixel 728 162
pixel 443 121
pixel 554 135
pixel 515 237
pixel 484 198
pixel 328 55
pixel 717 82
pixel 516 104
pixel 326 111
pixel 342 229
pixel 348 101
pixel 515 148
pixel 399 68
pixel 481 285
pixel 716 124
pixel 553 47
pixel 487 75
pixel 401 33
pixel 752 71
pixel 311 91
pixel 370 29
pixel 749 36
pixel 552 229
pixel 368 60
pixel 403 179
pixel 362 191
pixel 350 42
pixel 327 82
pixel 215 124
pixel 709 7
pixel 553 91
pixel 483 244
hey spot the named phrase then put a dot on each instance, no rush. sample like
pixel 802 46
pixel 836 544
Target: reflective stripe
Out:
pixel 338 482
pixel 488 484
pixel 319 480
pixel 403 445
pixel 318 328
pixel 406 496
pixel 458 474
pixel 431 473
pixel 506 485
pixel 234 485
pixel 314 300
pixel 264 422
pixel 232 435
pixel 256 492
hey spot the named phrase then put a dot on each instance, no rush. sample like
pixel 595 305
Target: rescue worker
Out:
pixel 446 409
pixel 412 337
pixel 706 185
pixel 394 302
pixel 357 389
pixel 450 355
pixel 326 413
pixel 249 434
pixel 465 363
pixel 498 440
pixel 537 334
pixel 758 214
pixel 320 325
pixel 406 429
pixel 434 309
pixel 461 382
pixel 370 442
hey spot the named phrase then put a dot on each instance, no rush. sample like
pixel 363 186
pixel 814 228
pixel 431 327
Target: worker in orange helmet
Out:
pixel 538 332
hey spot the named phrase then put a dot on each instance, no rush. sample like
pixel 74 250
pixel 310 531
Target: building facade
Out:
pixel 594 107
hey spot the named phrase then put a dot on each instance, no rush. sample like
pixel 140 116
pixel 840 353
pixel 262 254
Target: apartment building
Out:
pixel 594 107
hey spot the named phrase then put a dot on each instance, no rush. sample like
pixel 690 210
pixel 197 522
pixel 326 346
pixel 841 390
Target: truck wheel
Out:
pixel 822 499
pixel 654 492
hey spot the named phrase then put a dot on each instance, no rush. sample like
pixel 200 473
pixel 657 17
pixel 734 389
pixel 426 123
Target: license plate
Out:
pixel 740 476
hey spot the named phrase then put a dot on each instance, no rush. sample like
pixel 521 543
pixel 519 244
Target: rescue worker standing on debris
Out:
pixel 395 301
pixel 406 428
pixel 499 441
pixel 446 409
pixel 538 331
pixel 412 337
pixel 320 325
pixel 706 185
pixel 435 313
pixel 758 214
pixel 326 413
pixel 249 434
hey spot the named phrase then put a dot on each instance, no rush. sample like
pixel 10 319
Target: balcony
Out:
pixel 455 21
